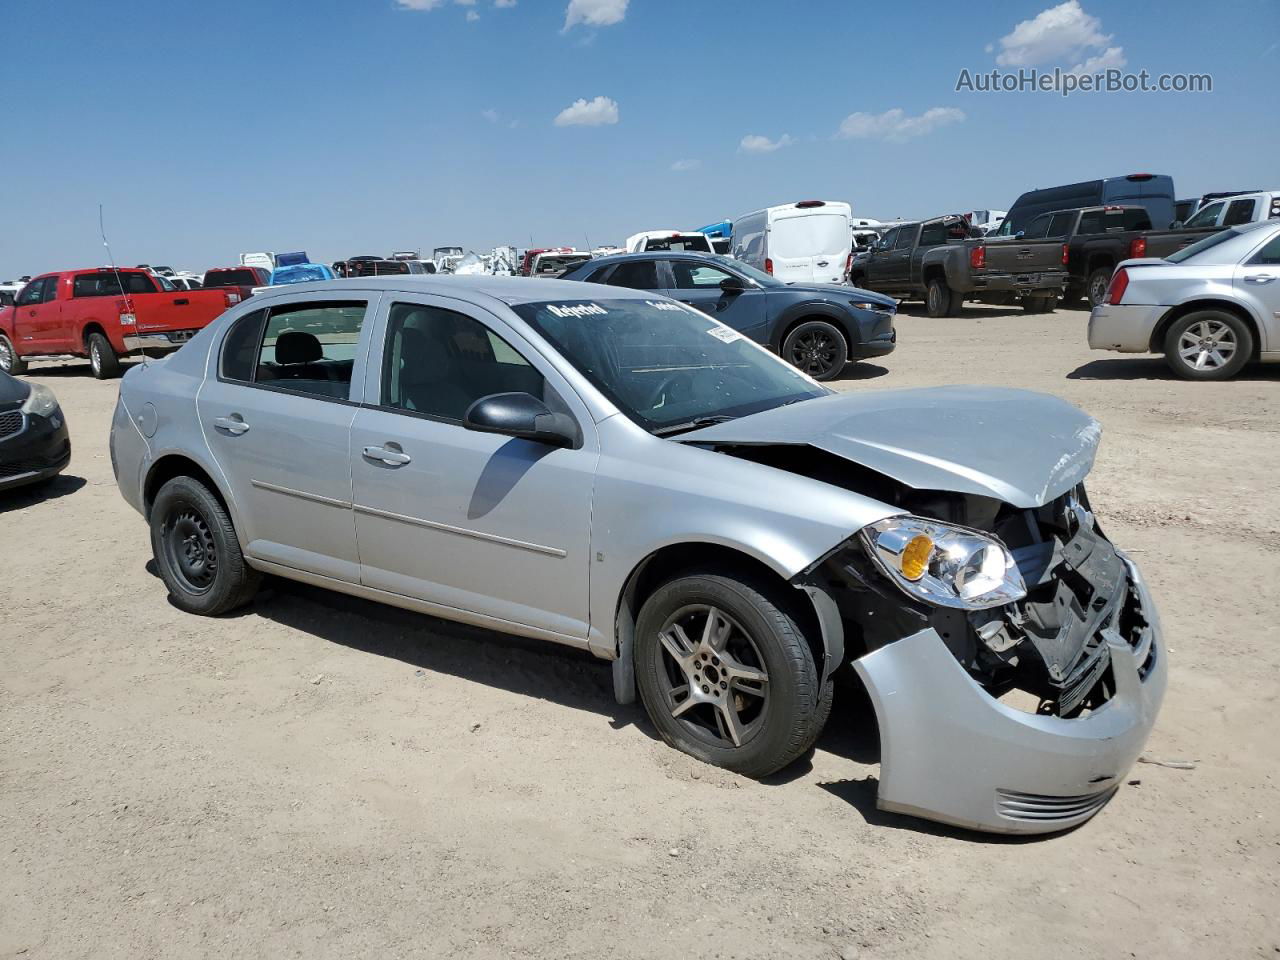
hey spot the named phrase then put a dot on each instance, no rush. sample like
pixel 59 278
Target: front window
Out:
pixel 750 272
pixel 666 366
pixel 695 275
pixel 1206 216
pixel 31 294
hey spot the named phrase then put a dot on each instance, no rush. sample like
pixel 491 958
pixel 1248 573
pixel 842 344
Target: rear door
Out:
pixel 698 284
pixel 810 246
pixel 277 417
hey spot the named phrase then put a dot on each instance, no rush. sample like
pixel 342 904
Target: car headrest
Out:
pixel 296 346
pixel 423 358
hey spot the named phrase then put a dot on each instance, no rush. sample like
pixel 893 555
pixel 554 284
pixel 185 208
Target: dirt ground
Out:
pixel 322 777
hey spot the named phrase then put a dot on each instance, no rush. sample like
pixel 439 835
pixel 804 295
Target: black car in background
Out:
pixel 34 444
pixel 817 328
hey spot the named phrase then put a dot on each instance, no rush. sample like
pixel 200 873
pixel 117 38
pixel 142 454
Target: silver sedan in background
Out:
pixel 616 471
pixel 1210 308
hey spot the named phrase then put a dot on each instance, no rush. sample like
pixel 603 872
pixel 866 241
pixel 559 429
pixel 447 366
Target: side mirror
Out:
pixel 1177 225
pixel 732 285
pixel 521 415
pixel 1020 234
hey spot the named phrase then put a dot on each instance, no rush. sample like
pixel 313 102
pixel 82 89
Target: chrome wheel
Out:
pixel 717 686
pixel 6 355
pixel 95 357
pixel 1207 345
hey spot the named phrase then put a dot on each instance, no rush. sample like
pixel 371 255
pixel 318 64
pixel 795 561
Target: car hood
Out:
pixel 13 392
pixel 1020 447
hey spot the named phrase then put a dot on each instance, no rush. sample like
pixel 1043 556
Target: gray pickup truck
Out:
pixel 937 261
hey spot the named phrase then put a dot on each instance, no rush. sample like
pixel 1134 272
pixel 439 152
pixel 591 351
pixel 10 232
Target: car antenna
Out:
pixel 111 259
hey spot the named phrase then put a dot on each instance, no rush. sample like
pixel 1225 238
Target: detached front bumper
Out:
pixel 951 752
pixel 1124 327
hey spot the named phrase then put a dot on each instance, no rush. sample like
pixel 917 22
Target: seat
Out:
pixel 429 374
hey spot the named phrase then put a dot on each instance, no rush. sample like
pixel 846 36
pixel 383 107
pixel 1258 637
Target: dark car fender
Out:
pixel 817 308
pixel 951 259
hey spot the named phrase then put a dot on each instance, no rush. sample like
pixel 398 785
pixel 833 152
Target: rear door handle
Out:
pixel 181 302
pixel 232 424
pixel 1260 278
pixel 387 455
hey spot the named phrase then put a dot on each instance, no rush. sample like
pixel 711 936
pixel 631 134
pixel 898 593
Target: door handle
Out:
pixel 823 263
pixel 1260 278
pixel 232 424
pixel 181 302
pixel 392 458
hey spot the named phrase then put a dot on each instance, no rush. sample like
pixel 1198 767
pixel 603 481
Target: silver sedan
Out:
pixel 1210 308
pixel 618 472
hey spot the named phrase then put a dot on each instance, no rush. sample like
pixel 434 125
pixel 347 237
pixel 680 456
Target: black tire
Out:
pixel 776 720
pixel 1098 284
pixel 102 358
pixel 818 348
pixel 1208 333
pixel 1073 296
pixel 10 362
pixel 940 300
pixel 1041 303
pixel 196 550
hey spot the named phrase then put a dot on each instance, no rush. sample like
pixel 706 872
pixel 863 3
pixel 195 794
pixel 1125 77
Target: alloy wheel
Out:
pixel 1207 345
pixel 716 684
pixel 95 357
pixel 814 353
pixel 6 355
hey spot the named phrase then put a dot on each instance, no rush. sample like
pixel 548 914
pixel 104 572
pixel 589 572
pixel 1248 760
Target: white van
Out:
pixel 806 242
pixel 265 260
pixel 669 240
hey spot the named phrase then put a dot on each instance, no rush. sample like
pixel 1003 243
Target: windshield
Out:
pixel 664 365
pixel 1200 246
pixel 759 276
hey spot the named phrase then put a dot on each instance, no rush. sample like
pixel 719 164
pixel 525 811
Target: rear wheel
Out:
pixel 818 348
pixel 940 300
pixel 197 552
pixel 1099 283
pixel 1208 345
pixel 102 358
pixel 727 675
pixel 10 362
pixel 1041 303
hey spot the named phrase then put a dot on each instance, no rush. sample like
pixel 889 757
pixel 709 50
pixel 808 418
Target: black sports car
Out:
pixel 34 444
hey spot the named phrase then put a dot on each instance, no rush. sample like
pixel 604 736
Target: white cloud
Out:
pixel 681 166
pixel 419 4
pixel 1059 34
pixel 594 13
pixel 502 4
pixel 754 143
pixel 588 113
pixel 490 115
pixel 896 125
pixel 472 16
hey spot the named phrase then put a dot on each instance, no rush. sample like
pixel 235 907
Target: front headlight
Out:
pixel 944 564
pixel 40 401
pixel 868 305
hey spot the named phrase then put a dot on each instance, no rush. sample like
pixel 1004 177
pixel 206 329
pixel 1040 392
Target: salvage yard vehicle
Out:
pixel 34 444
pixel 805 242
pixel 937 261
pixel 611 470
pixel 679 240
pixel 555 263
pixel 238 280
pixel 817 328
pixel 1210 308
pixel 102 313
pixel 1153 192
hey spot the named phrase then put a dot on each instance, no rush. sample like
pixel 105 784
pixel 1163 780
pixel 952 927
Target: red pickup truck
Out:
pixel 102 314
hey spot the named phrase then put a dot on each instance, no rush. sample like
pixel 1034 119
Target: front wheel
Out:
pixel 1208 345
pixel 197 552
pixel 727 675
pixel 102 357
pixel 1098 285
pixel 10 362
pixel 818 348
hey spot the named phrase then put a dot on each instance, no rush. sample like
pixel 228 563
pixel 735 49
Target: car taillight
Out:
pixel 1137 248
pixel 1119 283
pixel 232 298
pixel 1066 255
pixel 768 267
pixel 978 257
pixel 848 265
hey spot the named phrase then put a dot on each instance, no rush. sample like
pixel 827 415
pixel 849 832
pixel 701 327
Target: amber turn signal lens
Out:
pixel 915 558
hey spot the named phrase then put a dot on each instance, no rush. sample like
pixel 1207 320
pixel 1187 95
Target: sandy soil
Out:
pixel 322 777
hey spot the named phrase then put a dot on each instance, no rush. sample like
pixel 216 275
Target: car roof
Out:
pixel 508 290
pixel 659 255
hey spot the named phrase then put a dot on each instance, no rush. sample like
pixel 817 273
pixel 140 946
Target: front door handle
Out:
pixel 391 457
pixel 233 424
pixel 1260 278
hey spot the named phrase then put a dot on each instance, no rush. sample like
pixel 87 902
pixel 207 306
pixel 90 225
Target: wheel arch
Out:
pixel 812 310
pixel 170 465
pixel 815 611
pixel 91 327
pixel 1156 344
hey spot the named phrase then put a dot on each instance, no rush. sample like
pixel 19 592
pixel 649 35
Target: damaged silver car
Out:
pixel 615 471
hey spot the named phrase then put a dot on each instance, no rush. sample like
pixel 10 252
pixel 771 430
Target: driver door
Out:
pixel 493 525
pixel 698 284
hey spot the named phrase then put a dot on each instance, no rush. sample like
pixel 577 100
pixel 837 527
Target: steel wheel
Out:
pixel 1207 345
pixel 717 686
pixel 190 549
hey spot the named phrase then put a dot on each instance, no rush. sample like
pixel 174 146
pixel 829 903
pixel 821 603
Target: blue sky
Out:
pixel 361 127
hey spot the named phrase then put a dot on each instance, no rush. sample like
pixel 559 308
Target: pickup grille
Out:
pixel 10 423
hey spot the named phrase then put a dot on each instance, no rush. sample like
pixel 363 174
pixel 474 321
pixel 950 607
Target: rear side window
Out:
pixel 240 347
pixel 107 284
pixel 597 275
pixel 1238 212
pixel 1270 254
pixel 439 362
pixel 310 347
pixel 1060 224
pixel 637 274
pixel 932 234
pixel 1037 228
